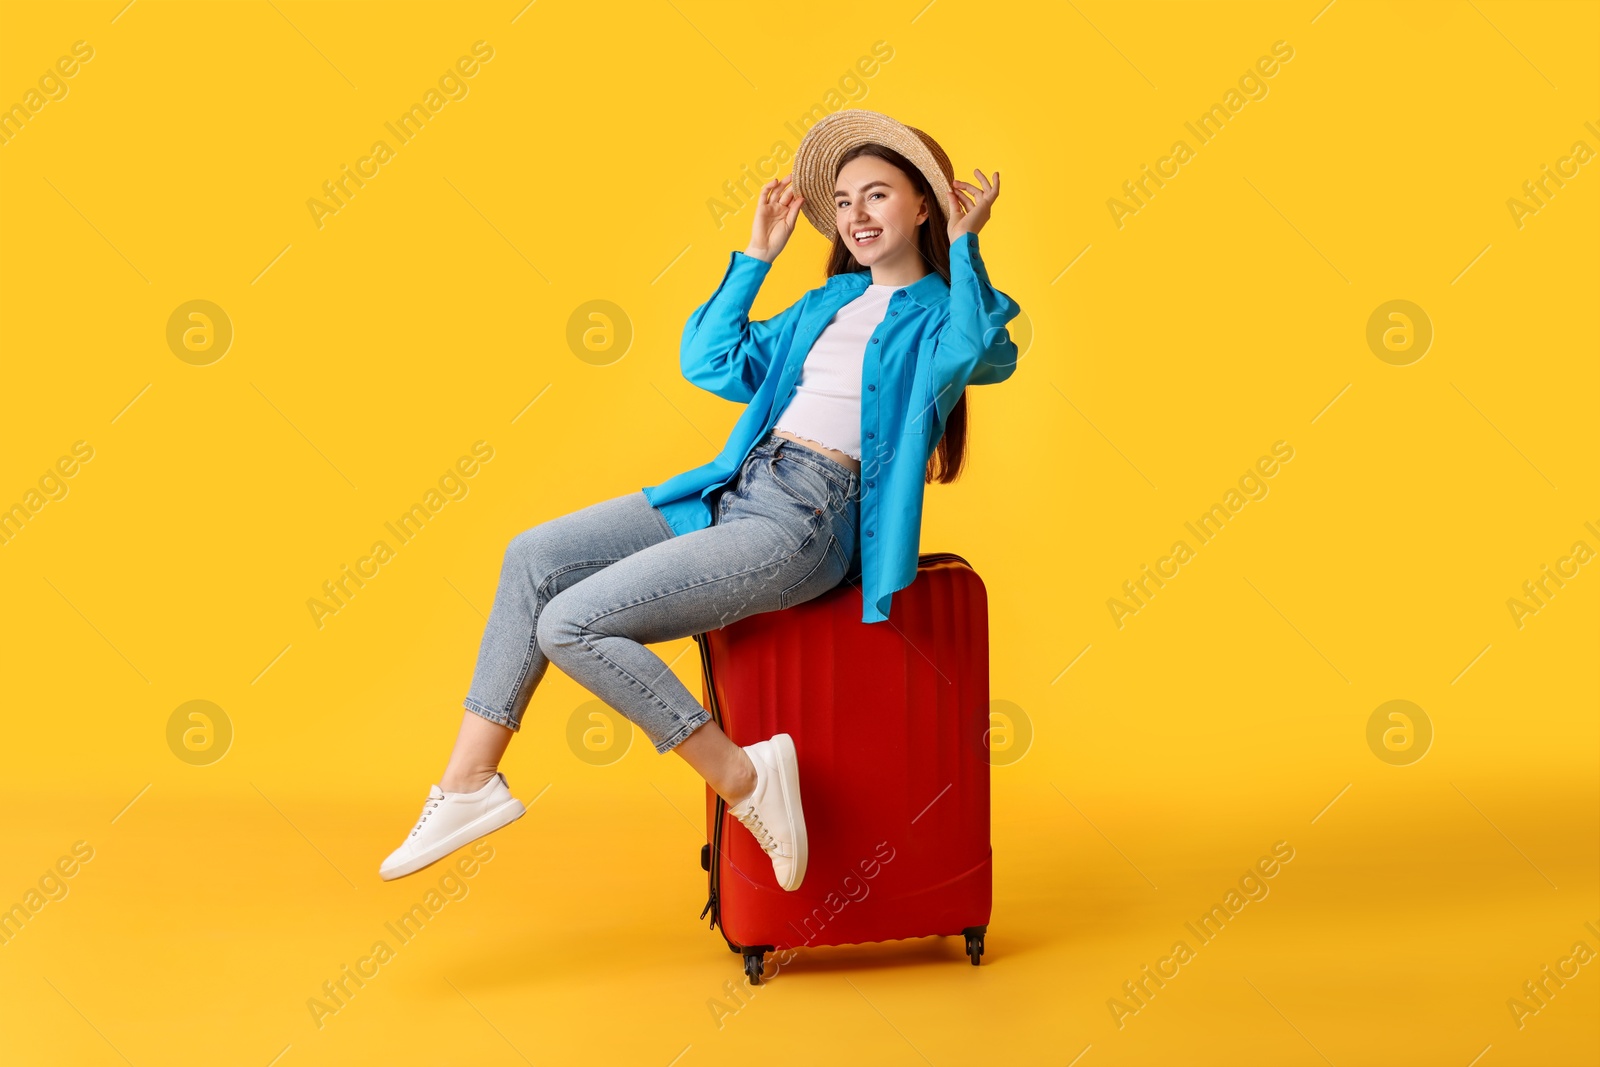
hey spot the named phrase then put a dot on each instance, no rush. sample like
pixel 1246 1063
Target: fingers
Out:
pixel 776 187
pixel 988 192
pixel 978 195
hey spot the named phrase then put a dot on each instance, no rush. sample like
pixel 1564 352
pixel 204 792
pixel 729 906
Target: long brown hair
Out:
pixel 933 241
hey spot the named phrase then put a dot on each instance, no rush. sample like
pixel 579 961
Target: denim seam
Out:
pixel 842 510
pixel 783 596
pixel 665 525
pixel 540 598
pixel 802 501
pixel 588 624
pixel 681 734
pixel 583 638
pixel 851 490
pixel 835 473
pixel 776 561
pixel 527 662
pixel 845 560
pixel 497 717
pixel 844 513
pixel 813 528
pixel 540 591
pixel 837 480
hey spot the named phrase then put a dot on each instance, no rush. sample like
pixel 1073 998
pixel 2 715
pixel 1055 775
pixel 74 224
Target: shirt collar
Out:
pixel 927 290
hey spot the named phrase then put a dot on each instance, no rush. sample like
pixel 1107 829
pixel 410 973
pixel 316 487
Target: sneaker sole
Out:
pixel 487 823
pixel 789 779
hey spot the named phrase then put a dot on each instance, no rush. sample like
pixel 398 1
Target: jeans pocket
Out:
pixel 806 485
pixel 819 577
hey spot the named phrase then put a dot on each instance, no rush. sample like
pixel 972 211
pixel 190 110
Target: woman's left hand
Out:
pixel 969 218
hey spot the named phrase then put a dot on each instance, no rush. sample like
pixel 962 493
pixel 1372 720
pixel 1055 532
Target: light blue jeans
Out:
pixel 588 590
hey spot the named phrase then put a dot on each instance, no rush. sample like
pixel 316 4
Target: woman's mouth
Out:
pixel 866 236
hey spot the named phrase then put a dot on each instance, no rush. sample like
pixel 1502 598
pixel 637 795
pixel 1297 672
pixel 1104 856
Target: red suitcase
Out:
pixel 890 725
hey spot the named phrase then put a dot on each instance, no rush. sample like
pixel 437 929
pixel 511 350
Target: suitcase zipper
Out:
pixel 714 866
pixel 939 557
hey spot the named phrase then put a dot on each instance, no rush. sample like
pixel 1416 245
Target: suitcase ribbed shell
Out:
pixel 889 723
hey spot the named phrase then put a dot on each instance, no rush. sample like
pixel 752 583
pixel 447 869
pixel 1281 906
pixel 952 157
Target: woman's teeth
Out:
pixel 863 237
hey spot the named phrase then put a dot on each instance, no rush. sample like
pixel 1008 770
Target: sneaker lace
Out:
pixel 752 821
pixel 427 809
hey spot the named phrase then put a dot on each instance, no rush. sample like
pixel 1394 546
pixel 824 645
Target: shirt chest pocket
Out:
pixel 919 401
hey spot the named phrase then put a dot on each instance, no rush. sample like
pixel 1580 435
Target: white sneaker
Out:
pixel 772 813
pixel 450 820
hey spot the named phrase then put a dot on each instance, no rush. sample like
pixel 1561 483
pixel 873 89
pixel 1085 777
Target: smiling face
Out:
pixel 877 213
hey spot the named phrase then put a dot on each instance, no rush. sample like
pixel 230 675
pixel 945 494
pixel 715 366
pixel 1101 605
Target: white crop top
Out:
pixel 826 406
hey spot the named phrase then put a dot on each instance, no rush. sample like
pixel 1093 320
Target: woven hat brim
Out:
pixel 816 161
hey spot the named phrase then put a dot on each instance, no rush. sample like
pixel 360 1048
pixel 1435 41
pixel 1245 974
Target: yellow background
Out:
pixel 1230 713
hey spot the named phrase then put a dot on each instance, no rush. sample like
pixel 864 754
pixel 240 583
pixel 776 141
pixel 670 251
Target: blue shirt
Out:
pixel 934 341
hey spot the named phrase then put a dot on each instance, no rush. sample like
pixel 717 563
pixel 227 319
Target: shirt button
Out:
pixel 870 388
pixel 874 340
pixel 870 484
pixel 869 533
pixel 871 434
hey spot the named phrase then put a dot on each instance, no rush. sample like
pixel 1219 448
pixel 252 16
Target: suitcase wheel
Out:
pixel 754 964
pixel 974 935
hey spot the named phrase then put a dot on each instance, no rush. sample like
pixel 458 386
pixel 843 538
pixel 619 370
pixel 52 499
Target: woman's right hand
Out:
pixel 777 208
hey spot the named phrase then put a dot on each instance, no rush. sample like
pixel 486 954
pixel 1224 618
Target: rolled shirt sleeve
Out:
pixel 723 351
pixel 974 346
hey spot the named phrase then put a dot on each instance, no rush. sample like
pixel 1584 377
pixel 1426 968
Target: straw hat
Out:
pixel 816 161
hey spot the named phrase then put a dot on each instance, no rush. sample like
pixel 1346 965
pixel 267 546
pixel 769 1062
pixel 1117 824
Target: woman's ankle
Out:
pixel 743 785
pixel 469 781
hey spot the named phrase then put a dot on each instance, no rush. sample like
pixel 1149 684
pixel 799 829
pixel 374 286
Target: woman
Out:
pixel 847 392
